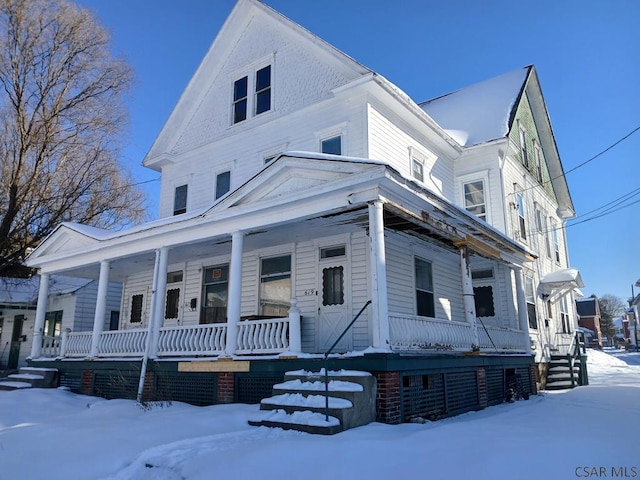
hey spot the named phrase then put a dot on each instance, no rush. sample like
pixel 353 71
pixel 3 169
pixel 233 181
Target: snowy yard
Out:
pixel 54 434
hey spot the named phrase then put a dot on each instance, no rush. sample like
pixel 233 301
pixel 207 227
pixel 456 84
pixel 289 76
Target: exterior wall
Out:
pixel 82 313
pixel 395 143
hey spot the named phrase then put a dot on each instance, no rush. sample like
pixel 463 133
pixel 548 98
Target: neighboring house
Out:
pixel 70 305
pixel 297 187
pixel 589 318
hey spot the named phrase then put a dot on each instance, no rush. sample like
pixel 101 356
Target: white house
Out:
pixel 70 304
pixel 299 188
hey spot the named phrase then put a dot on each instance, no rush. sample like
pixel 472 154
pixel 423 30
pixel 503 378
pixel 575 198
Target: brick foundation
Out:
pixel 533 374
pixel 86 386
pixel 226 386
pixel 388 400
pixel 149 390
pixel 482 387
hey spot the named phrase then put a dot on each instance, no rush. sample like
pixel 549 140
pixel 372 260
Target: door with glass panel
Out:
pixel 333 299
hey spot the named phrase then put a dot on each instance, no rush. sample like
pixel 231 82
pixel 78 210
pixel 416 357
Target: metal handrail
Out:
pixel 326 355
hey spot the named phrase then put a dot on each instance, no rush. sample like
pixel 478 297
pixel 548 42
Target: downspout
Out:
pixel 147 347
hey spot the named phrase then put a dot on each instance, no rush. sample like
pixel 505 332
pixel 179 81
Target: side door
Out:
pixel 16 342
pixel 334 299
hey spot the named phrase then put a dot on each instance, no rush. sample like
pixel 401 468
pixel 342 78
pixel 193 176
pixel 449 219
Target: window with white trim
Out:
pixel 275 286
pixel 474 198
pixel 180 200
pixel 522 224
pixel 530 296
pixel 331 145
pixel 137 302
pixel 245 105
pixel 425 300
pixel 223 183
pixel 524 153
pixel 417 168
pixel 172 303
pixel 538 156
pixel 564 315
pixel 556 243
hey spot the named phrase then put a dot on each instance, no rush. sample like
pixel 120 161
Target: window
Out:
pixel 482 274
pixel 530 296
pixel 215 291
pixel 417 168
pixel 332 146
pixel 263 90
pixel 545 233
pixel 556 243
pixel 521 219
pixel 173 295
pixel 180 200
pixel 174 277
pixel 114 320
pixel 333 286
pixel 53 323
pixel 484 301
pixel 275 286
pixel 223 183
pixel 523 148
pixel 474 200
pixel 260 84
pixel 331 252
pixel 240 89
pixel 538 154
pixel 136 308
pixel 425 306
pixel 564 315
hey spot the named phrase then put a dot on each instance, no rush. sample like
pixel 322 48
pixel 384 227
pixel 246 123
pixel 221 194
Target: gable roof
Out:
pixel 586 307
pixel 480 112
pixel 24 291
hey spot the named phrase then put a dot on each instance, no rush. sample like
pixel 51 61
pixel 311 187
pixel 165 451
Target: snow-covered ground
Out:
pixel 588 432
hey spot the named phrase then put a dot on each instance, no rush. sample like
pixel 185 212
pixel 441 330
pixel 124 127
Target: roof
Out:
pixel 586 307
pixel 25 290
pixel 481 112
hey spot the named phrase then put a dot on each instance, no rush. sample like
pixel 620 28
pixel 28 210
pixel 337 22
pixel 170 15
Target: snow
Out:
pixel 334 386
pixel 297 399
pixel 332 373
pixel 301 418
pixel 54 434
pixel 481 112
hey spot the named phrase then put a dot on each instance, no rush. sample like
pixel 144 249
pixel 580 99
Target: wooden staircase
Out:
pixel 30 377
pixel 566 371
pixel 299 403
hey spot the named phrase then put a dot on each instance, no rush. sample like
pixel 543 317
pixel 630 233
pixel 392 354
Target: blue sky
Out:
pixel 587 54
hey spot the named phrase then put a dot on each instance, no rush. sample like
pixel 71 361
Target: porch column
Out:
pixel 157 310
pixel 468 296
pixel 378 265
pixel 523 315
pixel 101 308
pixel 235 291
pixel 41 312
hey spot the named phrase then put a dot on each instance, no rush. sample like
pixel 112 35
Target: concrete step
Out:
pixel 11 385
pixel 50 375
pixel 36 381
pixel 303 421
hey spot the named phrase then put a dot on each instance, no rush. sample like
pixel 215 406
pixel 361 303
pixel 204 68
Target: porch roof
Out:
pixel 295 197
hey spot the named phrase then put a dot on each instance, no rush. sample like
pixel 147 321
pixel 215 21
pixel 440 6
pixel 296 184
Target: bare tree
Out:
pixel 610 307
pixel 61 117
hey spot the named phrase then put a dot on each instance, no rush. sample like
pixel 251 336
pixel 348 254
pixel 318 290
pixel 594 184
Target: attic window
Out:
pixel 538 154
pixel 240 99
pixel 523 148
pixel 246 105
pixel 263 90
pixel 332 146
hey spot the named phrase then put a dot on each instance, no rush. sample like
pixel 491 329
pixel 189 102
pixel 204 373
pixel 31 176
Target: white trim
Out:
pixel 331 132
pixel 482 175
pixel 250 71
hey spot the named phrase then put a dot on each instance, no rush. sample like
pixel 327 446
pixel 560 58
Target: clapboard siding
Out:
pixel 360 289
pixel 306 292
pixel 139 283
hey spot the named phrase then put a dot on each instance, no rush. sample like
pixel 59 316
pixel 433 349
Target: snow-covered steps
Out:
pixel 563 373
pixel 300 399
pixel 30 377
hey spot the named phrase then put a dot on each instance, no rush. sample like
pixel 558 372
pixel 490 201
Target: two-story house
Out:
pixel 300 191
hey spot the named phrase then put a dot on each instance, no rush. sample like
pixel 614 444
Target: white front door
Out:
pixel 334 305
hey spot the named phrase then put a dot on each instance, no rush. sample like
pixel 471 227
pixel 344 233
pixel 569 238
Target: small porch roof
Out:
pixel 565 279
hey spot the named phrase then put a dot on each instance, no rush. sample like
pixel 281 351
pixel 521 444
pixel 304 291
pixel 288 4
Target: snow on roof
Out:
pixel 481 112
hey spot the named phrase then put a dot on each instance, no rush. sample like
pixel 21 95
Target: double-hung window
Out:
pixel 564 315
pixel 180 200
pixel 538 154
pixel 425 303
pixel 522 225
pixel 556 243
pixel 523 147
pixel 245 105
pixel 275 286
pixel 223 183
pixel 530 296
pixel 474 198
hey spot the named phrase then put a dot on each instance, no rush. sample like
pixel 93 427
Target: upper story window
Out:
pixel 556 243
pixel 474 198
pixel 522 225
pixel 180 200
pixel 223 183
pixel 425 304
pixel 530 296
pixel 417 168
pixel 523 147
pixel 538 155
pixel 260 84
pixel 332 145
pixel 541 227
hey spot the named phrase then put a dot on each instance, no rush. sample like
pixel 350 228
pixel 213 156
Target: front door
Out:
pixel 334 302
pixel 16 342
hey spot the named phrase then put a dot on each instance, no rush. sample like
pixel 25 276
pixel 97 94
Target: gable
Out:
pixel 65 238
pixel 304 70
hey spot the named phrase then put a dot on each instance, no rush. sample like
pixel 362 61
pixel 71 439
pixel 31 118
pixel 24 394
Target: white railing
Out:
pixel 206 339
pixel 77 344
pixel 564 342
pixel 409 332
pixel 123 343
pixel 50 346
pixel 263 336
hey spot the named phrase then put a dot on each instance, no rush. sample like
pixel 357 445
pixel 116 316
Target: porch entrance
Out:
pixel 333 300
pixel 16 341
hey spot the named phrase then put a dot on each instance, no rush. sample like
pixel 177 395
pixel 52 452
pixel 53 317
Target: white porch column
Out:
pixel 101 308
pixel 157 311
pixel 378 266
pixel 523 314
pixel 41 312
pixel 295 336
pixel 235 291
pixel 468 295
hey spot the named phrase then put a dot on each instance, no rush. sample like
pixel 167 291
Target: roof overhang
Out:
pixel 560 282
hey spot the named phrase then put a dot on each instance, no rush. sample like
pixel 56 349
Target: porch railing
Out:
pixel 263 336
pixel 50 345
pixel 123 343
pixel 208 339
pixel 410 332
